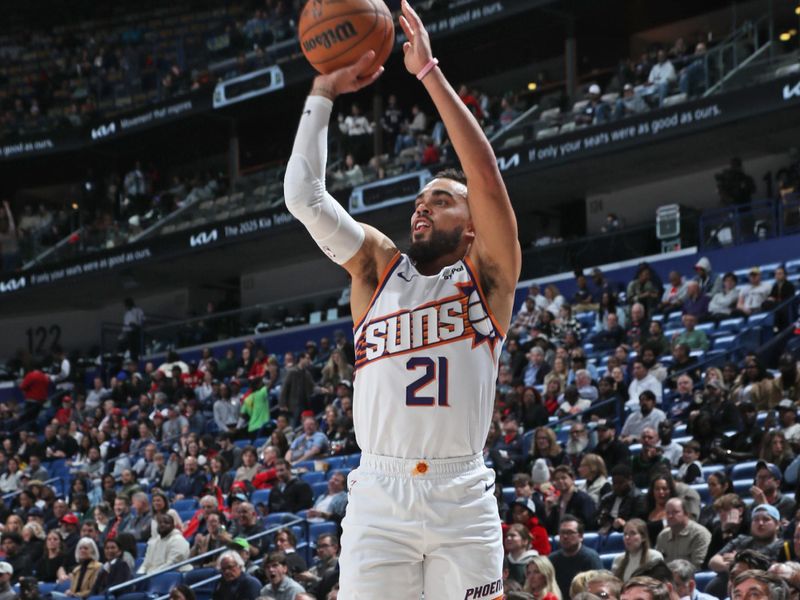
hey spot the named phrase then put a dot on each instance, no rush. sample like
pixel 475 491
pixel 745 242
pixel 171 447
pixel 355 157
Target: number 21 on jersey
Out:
pixel 434 370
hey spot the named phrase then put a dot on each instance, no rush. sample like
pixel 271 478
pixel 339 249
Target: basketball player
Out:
pixel 429 326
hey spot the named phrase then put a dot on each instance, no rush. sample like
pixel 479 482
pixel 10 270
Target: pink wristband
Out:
pixel 427 68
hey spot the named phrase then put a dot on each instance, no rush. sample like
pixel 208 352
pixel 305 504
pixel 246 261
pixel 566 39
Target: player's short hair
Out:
pixel 454 174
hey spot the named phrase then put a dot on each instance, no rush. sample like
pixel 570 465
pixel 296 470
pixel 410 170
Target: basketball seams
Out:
pixel 380 39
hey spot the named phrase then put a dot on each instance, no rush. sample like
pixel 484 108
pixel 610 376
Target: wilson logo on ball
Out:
pixel 341 33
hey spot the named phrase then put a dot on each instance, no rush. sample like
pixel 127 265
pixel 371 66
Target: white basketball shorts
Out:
pixel 421 525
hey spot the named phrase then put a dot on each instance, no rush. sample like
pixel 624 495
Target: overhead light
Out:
pixel 797 10
pixel 74 206
pixel 532 86
pixel 793 32
pixel 786 36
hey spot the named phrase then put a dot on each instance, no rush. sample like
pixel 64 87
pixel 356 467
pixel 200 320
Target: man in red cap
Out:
pixel 69 532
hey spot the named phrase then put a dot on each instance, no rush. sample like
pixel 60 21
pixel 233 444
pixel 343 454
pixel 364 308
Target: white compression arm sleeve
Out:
pixel 332 228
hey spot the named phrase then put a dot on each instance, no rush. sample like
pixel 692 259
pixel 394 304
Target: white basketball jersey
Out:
pixel 426 364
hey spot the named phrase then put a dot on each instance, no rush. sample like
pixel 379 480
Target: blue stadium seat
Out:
pixel 259 496
pixel 793 267
pixel 608 559
pixel 742 487
pixel 509 493
pixel 734 324
pixel 527 441
pixel 592 540
pixel 259 442
pixel 313 477
pixel 242 443
pixel 141 548
pixel 763 319
pixel 196 576
pixel 612 543
pixel 768 270
pixel 336 462
pixel 702 489
pixel 317 529
pixel 163 583
pixel 306 465
pixel 707 327
pixel 708 469
pixel 184 504
pixel 702 578
pixel 745 470
pixel 724 342
pixel 300 533
pixel 354 460
pixel 278 518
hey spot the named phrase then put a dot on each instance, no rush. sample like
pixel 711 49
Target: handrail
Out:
pixel 196 584
pixel 52 249
pixel 193 559
pixel 593 408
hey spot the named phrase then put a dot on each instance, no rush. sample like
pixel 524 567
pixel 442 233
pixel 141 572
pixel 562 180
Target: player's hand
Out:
pixel 346 79
pixel 417 49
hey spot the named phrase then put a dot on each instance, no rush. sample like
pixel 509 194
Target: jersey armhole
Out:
pixel 473 273
pixel 382 281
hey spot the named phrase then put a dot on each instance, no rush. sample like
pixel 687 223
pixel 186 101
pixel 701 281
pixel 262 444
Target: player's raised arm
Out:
pixel 496 247
pixel 360 249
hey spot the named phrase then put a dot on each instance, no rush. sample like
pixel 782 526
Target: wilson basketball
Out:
pixel 336 33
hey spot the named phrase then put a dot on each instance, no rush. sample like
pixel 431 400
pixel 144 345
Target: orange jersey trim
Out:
pixel 473 274
pixel 384 278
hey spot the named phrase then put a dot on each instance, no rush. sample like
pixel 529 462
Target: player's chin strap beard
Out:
pixel 439 244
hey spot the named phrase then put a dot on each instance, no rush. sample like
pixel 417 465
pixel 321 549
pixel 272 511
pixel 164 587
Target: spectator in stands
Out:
pixel 724 301
pixel 168 548
pixel 140 524
pixel 734 185
pixel 247 525
pixel 331 505
pixel 696 339
pixel 763 537
pixel 573 556
pixel 613 451
pixel 596 111
pixel 357 131
pixel 298 387
pixel 691 79
pixel 289 494
pixel 578 444
pixel 682 362
pixel 229 451
pixel 644 291
pixel 546 446
pixel 695 303
pixel 662 77
pixel 235 583
pixel 537 368
pixel 214 537
pixel 638 326
pixel 645 588
pixel 782 290
pixel 308 445
pixel 759 585
pixel 12 548
pixel 637 550
pixel 35 470
pixel 629 104
pixel 674 293
pixel 226 411
pixel 35 389
pixel 682 538
pixel 286 542
pixel 787 382
pixel 710 283
pixel 122 518
pixel 280 586
pixel 88 566
pixel 517 545
pixel 611 335
pixel 250 465
pixel 113 572
pixel 567 500
pixel 349 173
pixel 690 468
pixel 775 449
pixel 766 489
pixel 54 563
pixel 190 483
pixel 648 416
pixel 540 579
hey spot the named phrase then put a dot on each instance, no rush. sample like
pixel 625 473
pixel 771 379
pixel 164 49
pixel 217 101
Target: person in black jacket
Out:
pixel 609 448
pixel 568 500
pixel 289 494
pixel 113 572
pixel 613 515
pixel 506 453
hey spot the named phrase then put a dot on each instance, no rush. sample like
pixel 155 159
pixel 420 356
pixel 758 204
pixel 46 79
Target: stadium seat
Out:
pixel 196 576
pixel 509 493
pixel 259 496
pixel 702 578
pixel 702 489
pixel 793 267
pixel 724 342
pixel 317 529
pixel 318 488
pixel 742 487
pixel 184 504
pixel 745 470
pixel 708 469
pixel 608 559
pixel 279 518
pixel 141 548
pixel 313 477
pixel 612 543
pixel 734 324
pixel 163 582
pixel 592 540
pixel 242 443
pixel 354 460
pixel 335 462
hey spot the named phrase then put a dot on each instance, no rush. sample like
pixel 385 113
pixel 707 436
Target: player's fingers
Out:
pixel 362 62
pixel 406 47
pixel 406 27
pixel 411 15
pixel 365 81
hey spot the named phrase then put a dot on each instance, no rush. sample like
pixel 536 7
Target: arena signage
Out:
pixel 250 85
pixel 681 119
pixel 387 192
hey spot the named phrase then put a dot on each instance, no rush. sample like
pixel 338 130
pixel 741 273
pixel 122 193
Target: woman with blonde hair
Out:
pixel 335 370
pixel 33 535
pixel 559 371
pixel 546 446
pixel 637 550
pixel 540 578
pixel 592 469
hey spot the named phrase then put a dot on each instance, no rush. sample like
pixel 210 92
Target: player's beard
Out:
pixel 437 245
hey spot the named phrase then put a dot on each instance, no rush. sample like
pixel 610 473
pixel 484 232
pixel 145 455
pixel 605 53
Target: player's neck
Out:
pixel 433 267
